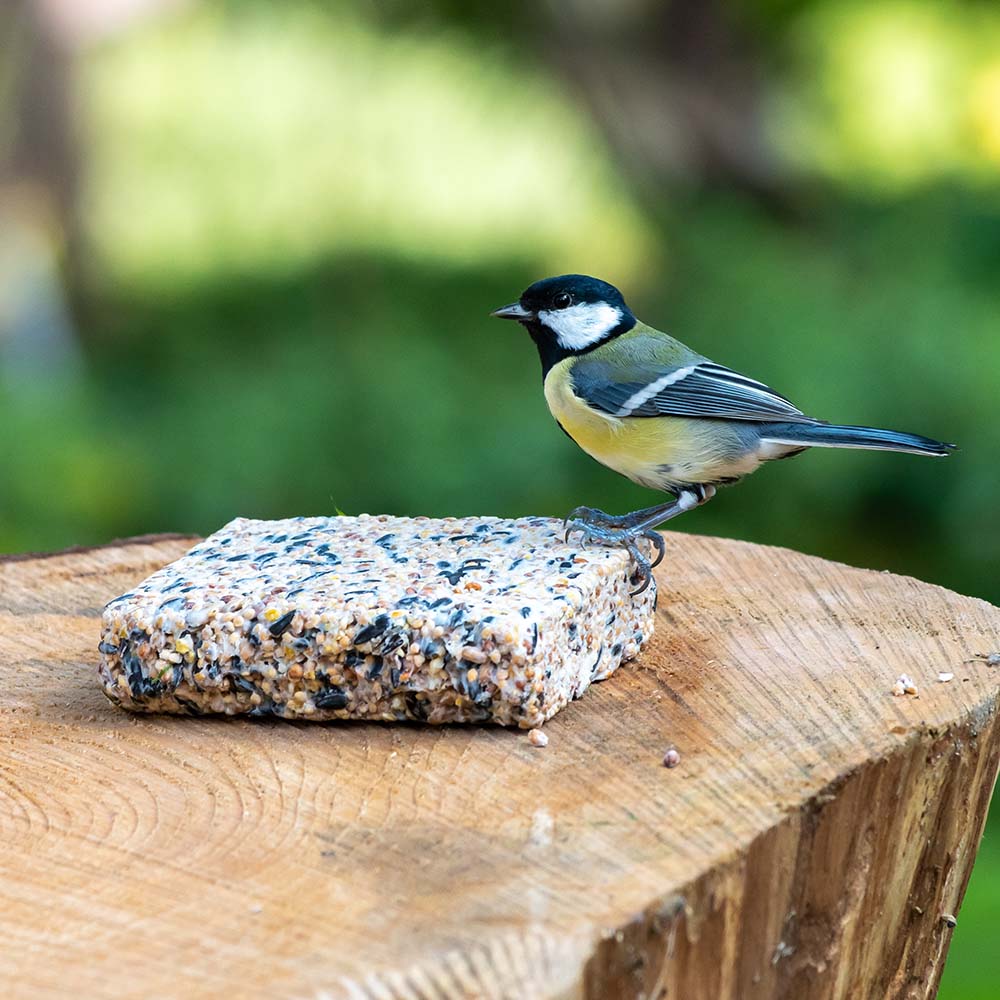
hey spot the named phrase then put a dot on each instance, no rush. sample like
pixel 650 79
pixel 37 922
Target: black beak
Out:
pixel 514 311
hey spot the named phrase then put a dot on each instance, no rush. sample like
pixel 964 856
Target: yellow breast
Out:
pixel 634 448
pixel 658 452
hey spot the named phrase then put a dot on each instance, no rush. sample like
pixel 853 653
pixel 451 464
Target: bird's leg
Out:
pixel 626 530
pixel 593 516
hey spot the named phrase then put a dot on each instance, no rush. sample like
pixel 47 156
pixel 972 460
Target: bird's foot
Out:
pixel 597 526
pixel 580 517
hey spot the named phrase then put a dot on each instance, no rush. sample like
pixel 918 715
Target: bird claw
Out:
pixel 658 543
pixel 596 526
pixel 643 569
pixel 580 516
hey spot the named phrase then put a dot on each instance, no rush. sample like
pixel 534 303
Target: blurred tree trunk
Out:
pixel 38 140
pixel 677 87
pixel 42 257
pixel 39 185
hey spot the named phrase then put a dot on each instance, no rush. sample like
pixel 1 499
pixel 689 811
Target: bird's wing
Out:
pixel 692 387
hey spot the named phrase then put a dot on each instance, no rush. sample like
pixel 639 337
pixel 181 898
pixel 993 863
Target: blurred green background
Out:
pixel 247 253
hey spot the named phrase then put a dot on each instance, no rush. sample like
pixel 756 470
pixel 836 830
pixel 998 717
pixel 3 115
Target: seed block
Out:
pixel 381 618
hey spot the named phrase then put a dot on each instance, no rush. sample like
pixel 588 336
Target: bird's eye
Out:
pixel 562 300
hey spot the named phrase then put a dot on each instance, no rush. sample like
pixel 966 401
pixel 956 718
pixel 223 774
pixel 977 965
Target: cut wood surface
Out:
pixel 808 845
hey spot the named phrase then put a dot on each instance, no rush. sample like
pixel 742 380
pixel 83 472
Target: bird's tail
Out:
pixel 836 436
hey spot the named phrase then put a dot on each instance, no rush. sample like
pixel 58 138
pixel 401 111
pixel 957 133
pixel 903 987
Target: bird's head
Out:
pixel 570 314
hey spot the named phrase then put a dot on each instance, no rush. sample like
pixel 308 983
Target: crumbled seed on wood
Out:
pixel 537 738
pixel 671 758
pixel 904 685
pixel 375 617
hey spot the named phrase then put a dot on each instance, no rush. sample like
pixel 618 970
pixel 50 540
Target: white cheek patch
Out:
pixel 581 325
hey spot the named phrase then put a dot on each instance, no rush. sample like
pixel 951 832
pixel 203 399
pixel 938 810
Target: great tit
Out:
pixel 657 412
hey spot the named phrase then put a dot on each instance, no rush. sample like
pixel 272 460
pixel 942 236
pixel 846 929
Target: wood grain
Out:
pixel 807 846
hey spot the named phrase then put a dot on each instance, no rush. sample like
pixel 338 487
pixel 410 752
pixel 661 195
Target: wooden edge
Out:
pixel 672 948
pixel 151 539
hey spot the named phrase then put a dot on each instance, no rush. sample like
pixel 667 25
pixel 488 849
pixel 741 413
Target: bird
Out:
pixel 654 410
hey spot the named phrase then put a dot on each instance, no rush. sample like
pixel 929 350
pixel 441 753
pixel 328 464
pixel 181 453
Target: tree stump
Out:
pixel 809 844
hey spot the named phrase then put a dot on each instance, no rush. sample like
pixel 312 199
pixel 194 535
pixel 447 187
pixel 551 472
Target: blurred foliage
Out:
pixel 299 217
pixel 895 94
pixel 229 141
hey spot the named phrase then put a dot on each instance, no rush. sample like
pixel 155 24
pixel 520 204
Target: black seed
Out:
pixel 189 706
pixel 174 604
pixel 414 706
pixel 332 697
pixel 597 662
pixel 240 558
pixel 616 649
pixel 467 566
pixel 281 626
pixel 107 648
pixel 440 602
pixel 526 612
pixel 370 632
pixel 375 670
pixel 534 637
pixel 390 641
